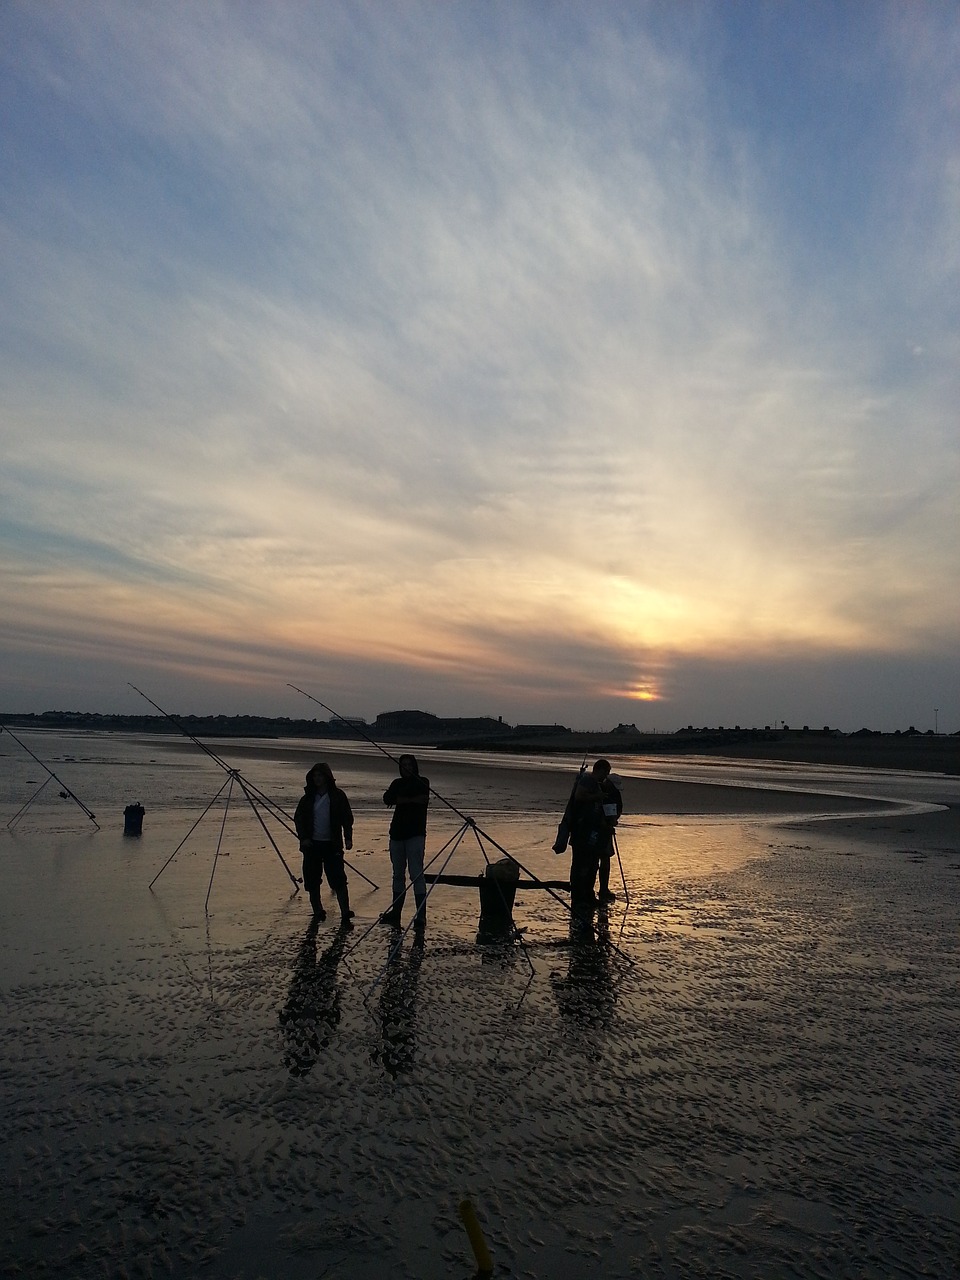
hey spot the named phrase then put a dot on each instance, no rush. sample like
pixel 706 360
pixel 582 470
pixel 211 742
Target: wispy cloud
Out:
pixel 421 336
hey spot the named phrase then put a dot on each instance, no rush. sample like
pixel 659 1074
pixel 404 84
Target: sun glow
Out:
pixel 644 694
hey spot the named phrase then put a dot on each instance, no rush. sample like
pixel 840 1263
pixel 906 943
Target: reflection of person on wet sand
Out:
pixel 398 1008
pixel 312 1011
pixel 586 997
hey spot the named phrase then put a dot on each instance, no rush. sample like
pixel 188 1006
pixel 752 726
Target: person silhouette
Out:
pixel 324 823
pixel 409 795
pixel 594 808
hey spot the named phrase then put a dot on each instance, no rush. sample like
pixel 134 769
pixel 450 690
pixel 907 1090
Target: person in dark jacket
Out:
pixel 324 823
pixel 594 808
pixel 410 795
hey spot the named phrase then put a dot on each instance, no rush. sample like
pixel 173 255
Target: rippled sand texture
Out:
pixel 749 1073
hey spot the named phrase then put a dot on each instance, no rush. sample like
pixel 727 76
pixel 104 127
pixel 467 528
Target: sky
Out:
pixel 570 363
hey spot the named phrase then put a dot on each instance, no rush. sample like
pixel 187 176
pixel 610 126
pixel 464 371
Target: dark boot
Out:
pixel 392 917
pixel 318 911
pixel 343 897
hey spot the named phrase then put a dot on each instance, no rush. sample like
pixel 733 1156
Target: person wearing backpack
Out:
pixel 594 807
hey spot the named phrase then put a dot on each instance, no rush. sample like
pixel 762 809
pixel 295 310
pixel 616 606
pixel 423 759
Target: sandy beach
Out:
pixel 747 1069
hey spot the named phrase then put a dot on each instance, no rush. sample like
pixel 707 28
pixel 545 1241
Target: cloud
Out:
pixel 421 337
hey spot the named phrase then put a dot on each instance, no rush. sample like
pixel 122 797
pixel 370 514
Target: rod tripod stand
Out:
pixel 233 779
pixel 623 878
pixel 258 801
pixel 65 792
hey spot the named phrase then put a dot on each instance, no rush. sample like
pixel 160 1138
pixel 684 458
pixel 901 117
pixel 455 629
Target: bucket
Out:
pixel 498 889
pixel 133 819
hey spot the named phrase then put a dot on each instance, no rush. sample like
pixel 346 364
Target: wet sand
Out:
pixel 748 1070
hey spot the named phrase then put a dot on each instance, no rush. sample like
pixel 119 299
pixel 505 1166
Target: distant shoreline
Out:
pixel 909 751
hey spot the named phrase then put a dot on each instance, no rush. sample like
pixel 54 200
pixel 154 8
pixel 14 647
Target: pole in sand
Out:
pixel 616 849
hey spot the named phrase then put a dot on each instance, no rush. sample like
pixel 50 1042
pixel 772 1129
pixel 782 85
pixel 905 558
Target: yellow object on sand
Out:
pixel 468 1216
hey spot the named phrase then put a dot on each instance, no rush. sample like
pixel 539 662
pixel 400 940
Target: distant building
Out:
pixel 406 722
pixel 472 726
pixel 414 726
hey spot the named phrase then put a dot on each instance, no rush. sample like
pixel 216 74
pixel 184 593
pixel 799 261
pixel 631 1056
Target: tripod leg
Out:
pixel 23 809
pixel 357 872
pixel 189 834
pixel 616 847
pixel 516 934
pixel 252 803
pixel 568 907
pixel 226 809
pixel 452 845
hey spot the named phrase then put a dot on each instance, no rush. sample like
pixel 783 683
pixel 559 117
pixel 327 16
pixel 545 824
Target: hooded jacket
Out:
pixel 409 819
pixel 341 816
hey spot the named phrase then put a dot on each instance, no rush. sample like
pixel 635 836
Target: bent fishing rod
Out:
pixel 464 818
pixel 66 793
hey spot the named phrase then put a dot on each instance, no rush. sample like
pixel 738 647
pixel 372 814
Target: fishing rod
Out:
pixel 249 790
pixel 65 793
pixel 464 818
pixel 280 814
pixel 253 794
pixel 563 830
